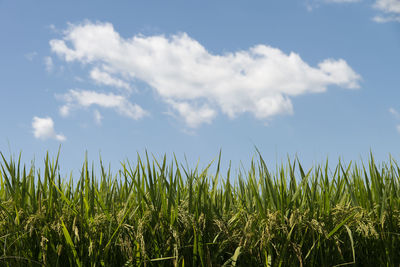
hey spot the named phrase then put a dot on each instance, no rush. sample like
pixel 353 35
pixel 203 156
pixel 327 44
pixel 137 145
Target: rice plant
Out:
pixel 161 213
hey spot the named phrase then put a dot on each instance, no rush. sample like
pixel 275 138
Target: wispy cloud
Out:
pixel 76 99
pixel 48 62
pixel 313 4
pixel 396 114
pixel 97 117
pixel 43 128
pixel 390 11
pixel 388 6
pixel 386 18
pixel 103 77
pixel 195 83
pixel 342 1
pixel 30 56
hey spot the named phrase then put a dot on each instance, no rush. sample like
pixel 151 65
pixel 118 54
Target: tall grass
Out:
pixel 160 213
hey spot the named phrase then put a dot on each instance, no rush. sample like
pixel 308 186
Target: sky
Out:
pixel 306 78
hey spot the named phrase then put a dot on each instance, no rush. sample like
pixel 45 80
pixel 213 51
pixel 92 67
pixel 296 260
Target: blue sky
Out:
pixel 312 78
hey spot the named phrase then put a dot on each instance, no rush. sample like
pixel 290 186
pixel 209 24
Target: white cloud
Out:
pixel 342 1
pixel 30 56
pixel 388 6
pixel 390 9
pixel 43 128
pixel 48 62
pixel 193 115
pixel 97 117
pixel 313 4
pixel 103 77
pixel 81 98
pixel 52 28
pixel 394 112
pixel 64 111
pixel 260 80
pixel 384 19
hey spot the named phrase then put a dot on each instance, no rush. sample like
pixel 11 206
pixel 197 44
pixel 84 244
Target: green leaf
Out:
pixel 70 243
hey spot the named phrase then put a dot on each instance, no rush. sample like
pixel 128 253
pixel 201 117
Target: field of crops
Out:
pixel 161 213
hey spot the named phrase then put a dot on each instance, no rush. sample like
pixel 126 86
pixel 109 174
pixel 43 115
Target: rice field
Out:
pixel 161 213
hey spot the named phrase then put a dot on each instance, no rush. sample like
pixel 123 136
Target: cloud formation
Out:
pixel 30 56
pixel 97 117
pixel 342 1
pixel 390 11
pixel 83 99
pixel 43 128
pixel 194 83
pixel 48 62
pixel 395 113
pixel 312 4
pixel 102 77
pixel 388 6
